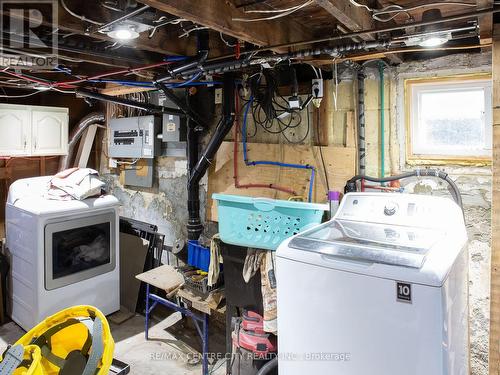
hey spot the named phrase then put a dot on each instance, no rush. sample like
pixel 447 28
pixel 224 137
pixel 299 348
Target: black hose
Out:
pixel 453 189
pixel 268 367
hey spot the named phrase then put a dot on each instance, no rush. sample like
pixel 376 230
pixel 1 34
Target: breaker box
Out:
pixel 135 137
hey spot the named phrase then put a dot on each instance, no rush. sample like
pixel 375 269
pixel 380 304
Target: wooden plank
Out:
pixel 164 277
pixel 194 301
pixel 85 147
pixel 485 22
pixel 350 131
pixel 115 90
pixel 218 15
pixel 494 350
pixel 340 164
pixel 353 18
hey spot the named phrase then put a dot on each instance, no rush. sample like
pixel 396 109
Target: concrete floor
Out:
pixel 163 353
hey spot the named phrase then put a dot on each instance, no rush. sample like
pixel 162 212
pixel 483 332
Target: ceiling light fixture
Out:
pixel 429 36
pixel 434 40
pixel 123 32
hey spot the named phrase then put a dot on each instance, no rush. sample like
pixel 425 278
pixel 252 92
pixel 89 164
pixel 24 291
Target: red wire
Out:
pixel 237 184
pixel 70 84
pixel 122 71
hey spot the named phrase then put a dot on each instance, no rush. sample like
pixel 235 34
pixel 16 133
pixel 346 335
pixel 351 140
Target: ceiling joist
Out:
pixel 485 22
pixel 353 18
pixel 218 15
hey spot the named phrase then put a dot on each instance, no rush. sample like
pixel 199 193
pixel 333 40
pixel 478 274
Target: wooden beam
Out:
pixel 485 22
pixel 85 147
pixel 218 15
pixel 162 42
pixel 353 18
pixel 494 357
pixel 115 90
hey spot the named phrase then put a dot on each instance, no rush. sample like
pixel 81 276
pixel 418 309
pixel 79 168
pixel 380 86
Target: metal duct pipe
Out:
pixel 361 123
pixel 91 119
pixel 198 169
pixel 151 108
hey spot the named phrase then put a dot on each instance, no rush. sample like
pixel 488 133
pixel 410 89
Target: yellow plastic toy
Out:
pixel 74 341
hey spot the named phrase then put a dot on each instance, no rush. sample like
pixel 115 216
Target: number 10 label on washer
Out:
pixel 403 292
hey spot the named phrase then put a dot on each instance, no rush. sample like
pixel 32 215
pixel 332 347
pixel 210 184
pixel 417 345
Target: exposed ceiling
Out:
pixel 85 47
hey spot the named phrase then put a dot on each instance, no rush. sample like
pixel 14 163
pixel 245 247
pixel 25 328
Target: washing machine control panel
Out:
pixel 390 208
pixel 399 209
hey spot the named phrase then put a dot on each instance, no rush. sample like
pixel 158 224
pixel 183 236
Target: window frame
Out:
pixel 429 159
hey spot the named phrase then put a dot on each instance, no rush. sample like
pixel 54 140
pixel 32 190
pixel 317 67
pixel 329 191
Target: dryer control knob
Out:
pixel 390 208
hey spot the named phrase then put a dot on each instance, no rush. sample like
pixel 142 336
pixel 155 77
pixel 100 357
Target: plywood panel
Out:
pixel 340 164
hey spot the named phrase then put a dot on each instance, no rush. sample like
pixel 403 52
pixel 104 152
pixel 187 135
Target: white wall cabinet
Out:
pixel 33 130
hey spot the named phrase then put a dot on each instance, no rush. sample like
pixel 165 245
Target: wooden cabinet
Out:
pixel 33 130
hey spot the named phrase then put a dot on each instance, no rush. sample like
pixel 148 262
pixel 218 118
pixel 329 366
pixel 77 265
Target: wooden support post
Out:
pixel 494 358
pixel 85 147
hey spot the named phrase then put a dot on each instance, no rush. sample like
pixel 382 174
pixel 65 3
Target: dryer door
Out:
pixel 79 248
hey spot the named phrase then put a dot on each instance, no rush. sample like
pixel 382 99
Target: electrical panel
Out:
pixel 135 137
pixel 174 130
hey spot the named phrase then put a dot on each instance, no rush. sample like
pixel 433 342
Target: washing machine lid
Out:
pixel 370 242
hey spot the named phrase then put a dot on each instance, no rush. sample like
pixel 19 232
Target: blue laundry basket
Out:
pixel 263 223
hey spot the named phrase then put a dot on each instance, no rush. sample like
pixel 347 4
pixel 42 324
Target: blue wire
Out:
pixel 150 84
pixel 175 58
pixel 274 163
pixel 193 78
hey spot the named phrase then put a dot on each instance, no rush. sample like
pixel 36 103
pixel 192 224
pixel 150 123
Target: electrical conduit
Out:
pixel 274 163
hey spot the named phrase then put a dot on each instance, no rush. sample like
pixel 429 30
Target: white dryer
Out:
pixel 62 253
pixel 381 289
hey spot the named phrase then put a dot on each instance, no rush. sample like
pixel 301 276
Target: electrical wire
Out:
pixel 21 96
pixel 81 17
pixel 237 184
pixel 394 10
pixel 272 163
pixel 226 42
pixel 283 14
pixel 272 10
pixel 336 82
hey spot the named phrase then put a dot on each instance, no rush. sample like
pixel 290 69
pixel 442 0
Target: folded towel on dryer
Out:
pixel 75 183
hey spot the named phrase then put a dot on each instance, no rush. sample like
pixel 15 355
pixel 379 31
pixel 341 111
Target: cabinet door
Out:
pixel 50 133
pixel 14 132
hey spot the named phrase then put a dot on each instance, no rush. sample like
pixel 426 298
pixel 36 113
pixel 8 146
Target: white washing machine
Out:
pixel 62 253
pixel 381 289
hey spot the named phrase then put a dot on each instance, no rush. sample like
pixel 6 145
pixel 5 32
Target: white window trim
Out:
pixel 414 87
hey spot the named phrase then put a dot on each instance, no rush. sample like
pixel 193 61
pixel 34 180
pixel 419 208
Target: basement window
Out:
pixel 449 120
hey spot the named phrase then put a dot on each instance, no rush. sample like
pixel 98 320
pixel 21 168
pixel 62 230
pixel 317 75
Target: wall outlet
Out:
pixel 317 88
pixel 218 96
pixel 113 163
